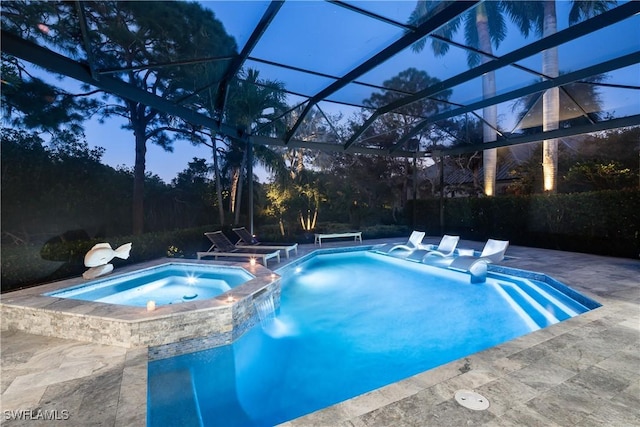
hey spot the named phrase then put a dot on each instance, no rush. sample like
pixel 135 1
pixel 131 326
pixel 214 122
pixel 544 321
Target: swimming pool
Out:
pixel 170 283
pixel 349 323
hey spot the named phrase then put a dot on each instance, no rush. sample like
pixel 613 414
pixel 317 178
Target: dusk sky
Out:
pixel 332 40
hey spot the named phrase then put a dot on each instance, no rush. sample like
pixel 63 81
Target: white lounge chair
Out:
pixel 446 247
pixel 493 251
pixel 414 242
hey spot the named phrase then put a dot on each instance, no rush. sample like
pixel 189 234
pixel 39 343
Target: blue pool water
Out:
pixel 348 323
pixel 165 284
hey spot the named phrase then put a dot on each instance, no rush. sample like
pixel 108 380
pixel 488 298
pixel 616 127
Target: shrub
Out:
pixel 604 222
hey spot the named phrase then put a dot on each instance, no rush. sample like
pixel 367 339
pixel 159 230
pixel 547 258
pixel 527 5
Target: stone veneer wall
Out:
pixel 64 325
pixel 110 331
pixel 244 317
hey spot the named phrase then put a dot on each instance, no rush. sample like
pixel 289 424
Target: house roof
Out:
pixel 454 174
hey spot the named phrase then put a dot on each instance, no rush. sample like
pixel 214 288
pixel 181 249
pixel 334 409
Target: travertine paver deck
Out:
pixel 584 371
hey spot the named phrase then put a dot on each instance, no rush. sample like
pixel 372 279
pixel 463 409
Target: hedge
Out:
pixel 605 223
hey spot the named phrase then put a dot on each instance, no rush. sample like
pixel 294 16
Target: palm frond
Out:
pixel 585 9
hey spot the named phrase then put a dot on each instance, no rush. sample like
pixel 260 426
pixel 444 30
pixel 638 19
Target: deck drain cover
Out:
pixel 472 400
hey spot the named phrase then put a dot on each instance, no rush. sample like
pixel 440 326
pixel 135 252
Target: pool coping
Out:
pixel 30 310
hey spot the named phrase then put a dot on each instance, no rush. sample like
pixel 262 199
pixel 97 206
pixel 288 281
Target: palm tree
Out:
pixel 540 16
pixel 484 27
pixel 250 100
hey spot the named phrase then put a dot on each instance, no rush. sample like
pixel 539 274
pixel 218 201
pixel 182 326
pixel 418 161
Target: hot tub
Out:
pixel 171 283
pixel 196 304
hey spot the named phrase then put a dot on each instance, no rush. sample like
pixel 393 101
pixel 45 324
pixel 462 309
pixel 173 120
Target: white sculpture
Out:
pixel 99 256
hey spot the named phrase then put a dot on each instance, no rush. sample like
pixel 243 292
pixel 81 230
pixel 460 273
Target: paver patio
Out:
pixel 584 371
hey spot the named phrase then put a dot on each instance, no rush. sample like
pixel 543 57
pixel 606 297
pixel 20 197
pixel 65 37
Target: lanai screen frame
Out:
pixel 14 45
pixel 87 72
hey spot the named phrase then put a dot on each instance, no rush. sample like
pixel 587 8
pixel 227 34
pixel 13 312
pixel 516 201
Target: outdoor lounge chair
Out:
pixel 222 247
pixel 247 240
pixel 446 247
pixel 493 251
pixel 414 242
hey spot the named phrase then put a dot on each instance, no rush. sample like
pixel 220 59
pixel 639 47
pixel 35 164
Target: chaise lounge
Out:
pixel 247 240
pixel 446 247
pixel 493 251
pixel 414 242
pixel 222 247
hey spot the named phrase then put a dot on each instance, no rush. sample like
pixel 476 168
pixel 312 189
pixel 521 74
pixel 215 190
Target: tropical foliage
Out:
pixel 61 188
pixel 125 37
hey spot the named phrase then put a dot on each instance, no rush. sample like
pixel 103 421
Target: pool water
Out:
pixel 348 323
pixel 170 283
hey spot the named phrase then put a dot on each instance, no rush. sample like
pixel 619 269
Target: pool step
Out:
pixel 537 309
pixel 526 315
pixel 563 305
pixel 544 305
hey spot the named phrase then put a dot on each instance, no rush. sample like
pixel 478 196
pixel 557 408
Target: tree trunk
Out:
pixel 550 102
pixel 405 184
pixel 489 114
pixel 239 187
pixel 138 176
pixel 216 171
pixel 233 191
